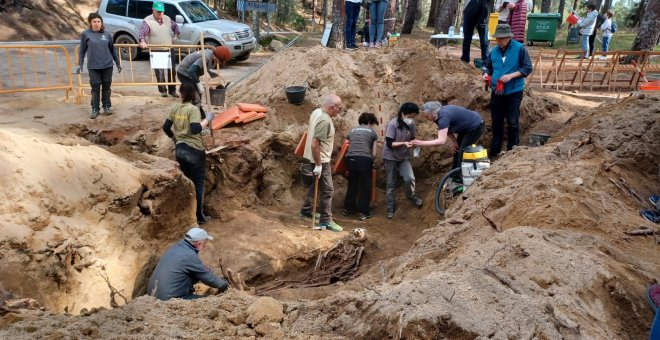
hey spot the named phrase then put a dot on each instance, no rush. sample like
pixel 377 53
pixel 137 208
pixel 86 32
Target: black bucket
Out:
pixel 217 96
pixel 307 174
pixel 296 94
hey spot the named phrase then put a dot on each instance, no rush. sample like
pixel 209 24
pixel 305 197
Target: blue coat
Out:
pixel 517 59
pixel 178 270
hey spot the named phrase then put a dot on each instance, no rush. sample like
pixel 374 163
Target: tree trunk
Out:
pixel 338 24
pixel 640 12
pixel 607 5
pixel 325 11
pixel 409 22
pixel 649 27
pixel 561 12
pixel 433 13
pixel 390 13
pixel 445 17
pixel 545 6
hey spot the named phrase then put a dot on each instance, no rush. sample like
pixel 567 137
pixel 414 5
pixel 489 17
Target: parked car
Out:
pixel 123 18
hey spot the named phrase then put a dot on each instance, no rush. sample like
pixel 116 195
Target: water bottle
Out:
pixel 451 31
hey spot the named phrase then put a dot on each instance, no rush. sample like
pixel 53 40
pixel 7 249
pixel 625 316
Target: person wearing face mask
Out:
pixel 459 125
pixel 400 131
pixel 180 268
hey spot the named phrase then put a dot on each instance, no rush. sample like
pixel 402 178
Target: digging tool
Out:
pixel 316 196
pixel 206 82
pixel 634 62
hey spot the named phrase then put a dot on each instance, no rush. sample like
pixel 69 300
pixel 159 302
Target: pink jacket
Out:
pixel 517 19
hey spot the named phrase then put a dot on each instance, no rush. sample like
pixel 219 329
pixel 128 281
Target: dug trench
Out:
pixel 100 201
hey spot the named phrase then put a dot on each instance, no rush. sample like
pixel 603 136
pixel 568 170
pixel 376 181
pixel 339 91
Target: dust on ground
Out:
pixel 539 239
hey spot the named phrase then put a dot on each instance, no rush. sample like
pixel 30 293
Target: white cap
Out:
pixel 197 234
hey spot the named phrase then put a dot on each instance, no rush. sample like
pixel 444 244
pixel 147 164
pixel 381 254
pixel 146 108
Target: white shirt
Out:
pixel 606 27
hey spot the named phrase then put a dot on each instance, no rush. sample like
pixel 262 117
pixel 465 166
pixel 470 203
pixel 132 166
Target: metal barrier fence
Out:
pixel 32 68
pixel 134 72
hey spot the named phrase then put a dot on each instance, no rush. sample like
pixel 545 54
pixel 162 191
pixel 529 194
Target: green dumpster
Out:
pixel 542 27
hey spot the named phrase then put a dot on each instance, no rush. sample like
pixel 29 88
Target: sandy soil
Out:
pixel 93 204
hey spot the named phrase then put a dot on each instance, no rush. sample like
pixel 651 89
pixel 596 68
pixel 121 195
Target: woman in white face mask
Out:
pixel 396 153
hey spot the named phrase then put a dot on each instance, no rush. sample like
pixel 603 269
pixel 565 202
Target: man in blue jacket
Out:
pixel 180 268
pixel 506 69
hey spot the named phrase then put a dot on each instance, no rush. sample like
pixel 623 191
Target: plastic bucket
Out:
pixel 217 96
pixel 572 19
pixel 307 174
pixel 295 94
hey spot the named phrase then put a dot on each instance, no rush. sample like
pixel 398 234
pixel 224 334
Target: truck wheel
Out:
pixel 127 53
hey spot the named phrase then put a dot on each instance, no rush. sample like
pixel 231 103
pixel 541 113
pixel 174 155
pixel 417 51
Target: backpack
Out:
pixel 613 27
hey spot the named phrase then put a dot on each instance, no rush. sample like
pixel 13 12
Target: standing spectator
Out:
pixel 376 22
pixel 191 68
pixel 508 65
pixel 587 27
pixel 475 15
pixel 398 136
pixel 100 50
pixel 187 122
pixel 502 7
pixel 180 268
pixel 518 18
pixel 318 148
pixel 592 38
pixel 360 163
pixel 461 126
pixel 352 15
pixel 161 30
pixel 606 27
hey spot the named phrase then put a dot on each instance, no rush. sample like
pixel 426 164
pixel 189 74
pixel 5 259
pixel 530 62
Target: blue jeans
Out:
pixel 606 43
pixel 585 46
pixel 352 14
pixel 377 17
pixel 655 327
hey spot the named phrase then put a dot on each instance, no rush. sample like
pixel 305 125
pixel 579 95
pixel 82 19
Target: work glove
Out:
pixel 487 79
pixel 201 89
pixel 118 69
pixel 78 69
pixel 499 88
pixel 209 117
pixel 317 170
pixel 213 74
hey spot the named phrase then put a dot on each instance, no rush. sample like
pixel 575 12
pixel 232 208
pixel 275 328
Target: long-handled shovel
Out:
pixel 316 196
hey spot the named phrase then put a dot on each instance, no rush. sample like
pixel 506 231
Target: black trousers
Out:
pixel 592 38
pixel 475 17
pixel 162 74
pixel 359 183
pixel 193 166
pixel 100 80
pixel 466 139
pixel 501 107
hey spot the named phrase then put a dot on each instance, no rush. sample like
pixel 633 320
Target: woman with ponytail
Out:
pixel 396 153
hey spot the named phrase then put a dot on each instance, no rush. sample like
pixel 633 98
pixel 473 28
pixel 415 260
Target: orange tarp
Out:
pixel 228 116
pixel 245 116
pixel 260 115
pixel 245 107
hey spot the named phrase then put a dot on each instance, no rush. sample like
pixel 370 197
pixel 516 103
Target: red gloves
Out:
pixel 487 80
pixel 499 88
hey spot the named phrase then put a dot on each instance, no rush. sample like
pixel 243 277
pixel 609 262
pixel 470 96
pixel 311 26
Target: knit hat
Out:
pixel 222 53
pixel 197 234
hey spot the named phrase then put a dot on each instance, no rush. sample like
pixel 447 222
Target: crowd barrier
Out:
pixel 34 68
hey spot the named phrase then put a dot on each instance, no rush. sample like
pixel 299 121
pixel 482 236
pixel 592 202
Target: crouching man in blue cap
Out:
pixel 180 268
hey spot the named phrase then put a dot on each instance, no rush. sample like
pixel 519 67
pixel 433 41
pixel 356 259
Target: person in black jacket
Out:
pixel 180 268
pixel 600 19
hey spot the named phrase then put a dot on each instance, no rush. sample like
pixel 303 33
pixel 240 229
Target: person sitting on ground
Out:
pixel 180 268
pixel 360 163
pixel 191 68
pixel 462 126
pixel 653 298
pixel 187 122
pixel 396 153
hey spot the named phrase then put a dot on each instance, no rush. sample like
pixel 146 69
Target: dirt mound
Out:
pixel 65 20
pixel 535 248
